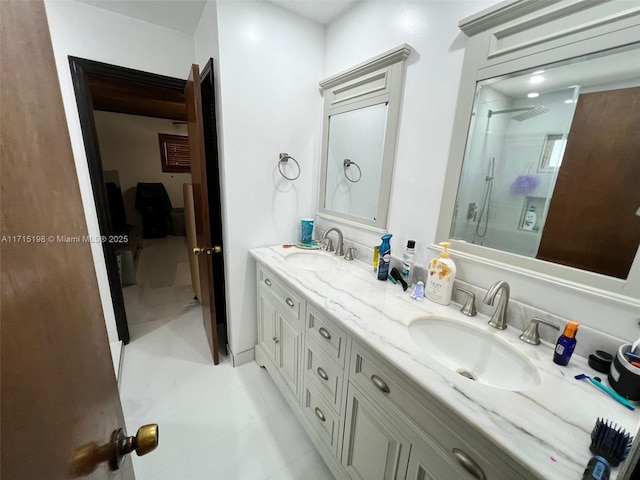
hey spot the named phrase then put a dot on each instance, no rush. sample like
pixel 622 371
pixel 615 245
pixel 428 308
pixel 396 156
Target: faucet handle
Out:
pixel 531 335
pixel 469 308
pixel 350 253
pixel 329 245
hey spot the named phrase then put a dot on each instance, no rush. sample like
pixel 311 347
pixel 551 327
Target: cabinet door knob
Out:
pixel 322 373
pixel 290 302
pixel 319 414
pixel 275 339
pixel 325 333
pixel 378 382
pixel 469 464
pixel 267 281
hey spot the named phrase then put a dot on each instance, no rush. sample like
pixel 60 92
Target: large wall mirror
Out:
pixel 361 111
pixel 545 174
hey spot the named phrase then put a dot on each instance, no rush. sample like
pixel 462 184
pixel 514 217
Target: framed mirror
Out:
pixel 361 112
pixel 544 174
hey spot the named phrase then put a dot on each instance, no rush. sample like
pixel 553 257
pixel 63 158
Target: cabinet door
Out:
pixel 267 320
pixel 373 448
pixel 288 345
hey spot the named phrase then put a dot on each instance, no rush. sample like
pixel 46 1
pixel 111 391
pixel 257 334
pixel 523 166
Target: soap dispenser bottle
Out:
pixel 384 257
pixel 566 344
pixel 440 277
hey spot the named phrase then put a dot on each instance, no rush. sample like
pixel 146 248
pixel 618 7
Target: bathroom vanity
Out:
pixel 342 348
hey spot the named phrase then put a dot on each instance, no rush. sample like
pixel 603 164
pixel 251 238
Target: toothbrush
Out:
pixel 607 390
pixel 634 346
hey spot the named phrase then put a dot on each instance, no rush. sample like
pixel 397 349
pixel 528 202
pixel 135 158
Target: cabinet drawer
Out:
pixel 321 416
pixel 393 393
pixel 324 373
pixel 331 338
pixel 268 282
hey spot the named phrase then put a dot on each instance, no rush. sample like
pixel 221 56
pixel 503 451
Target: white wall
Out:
pixel 430 95
pixel 85 31
pixel 129 144
pixel 270 64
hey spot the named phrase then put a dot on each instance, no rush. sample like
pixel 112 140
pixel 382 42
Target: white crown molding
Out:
pixel 389 57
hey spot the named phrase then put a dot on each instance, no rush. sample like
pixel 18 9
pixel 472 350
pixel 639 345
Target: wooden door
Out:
pixel 195 127
pixel 59 390
pixel 592 222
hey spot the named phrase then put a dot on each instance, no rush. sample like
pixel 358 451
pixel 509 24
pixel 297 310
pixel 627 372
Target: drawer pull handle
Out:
pixel 290 302
pixel 275 339
pixel 378 382
pixel 267 281
pixel 319 414
pixel 322 373
pixel 469 464
pixel 325 333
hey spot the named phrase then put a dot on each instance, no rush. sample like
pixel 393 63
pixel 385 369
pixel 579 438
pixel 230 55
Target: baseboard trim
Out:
pixel 242 357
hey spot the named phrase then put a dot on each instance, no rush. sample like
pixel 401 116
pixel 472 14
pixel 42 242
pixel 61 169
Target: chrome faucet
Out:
pixel 499 317
pixel 340 245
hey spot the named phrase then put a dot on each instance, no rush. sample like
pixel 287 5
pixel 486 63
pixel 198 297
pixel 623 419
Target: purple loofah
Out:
pixel 524 184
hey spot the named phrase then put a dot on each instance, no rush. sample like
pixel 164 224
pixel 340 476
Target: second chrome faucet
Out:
pixel 499 317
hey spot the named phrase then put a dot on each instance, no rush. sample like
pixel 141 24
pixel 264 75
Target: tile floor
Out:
pixel 216 422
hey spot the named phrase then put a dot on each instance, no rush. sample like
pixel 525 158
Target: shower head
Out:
pixel 527 112
pixel 534 112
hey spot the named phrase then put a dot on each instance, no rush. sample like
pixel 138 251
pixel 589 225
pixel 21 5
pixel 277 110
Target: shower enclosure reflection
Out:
pixel 504 149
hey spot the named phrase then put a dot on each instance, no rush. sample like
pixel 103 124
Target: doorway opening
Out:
pixel 104 88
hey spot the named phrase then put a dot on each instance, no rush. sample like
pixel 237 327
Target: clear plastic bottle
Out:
pixel 408 261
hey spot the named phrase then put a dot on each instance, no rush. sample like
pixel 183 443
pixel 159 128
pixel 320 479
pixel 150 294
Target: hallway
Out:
pixel 215 422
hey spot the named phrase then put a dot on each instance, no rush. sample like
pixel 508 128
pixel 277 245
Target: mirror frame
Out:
pixel 378 80
pixel 522 36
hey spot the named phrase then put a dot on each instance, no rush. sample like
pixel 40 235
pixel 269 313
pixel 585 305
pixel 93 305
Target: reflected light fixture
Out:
pixel 536 79
pixel 533 94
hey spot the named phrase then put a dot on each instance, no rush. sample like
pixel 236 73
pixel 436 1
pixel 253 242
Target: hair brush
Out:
pixel 610 441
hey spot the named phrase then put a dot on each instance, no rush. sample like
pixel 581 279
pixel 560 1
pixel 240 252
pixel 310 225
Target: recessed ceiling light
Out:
pixel 536 79
pixel 538 72
pixel 533 94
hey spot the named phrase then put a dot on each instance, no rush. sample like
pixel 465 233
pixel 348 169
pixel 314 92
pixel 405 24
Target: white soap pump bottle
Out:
pixel 440 277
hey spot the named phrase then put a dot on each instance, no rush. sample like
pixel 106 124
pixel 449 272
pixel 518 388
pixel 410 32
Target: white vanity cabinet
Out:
pixel 280 313
pixel 368 419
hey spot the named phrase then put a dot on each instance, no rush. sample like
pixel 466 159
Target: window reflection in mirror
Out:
pixel 354 164
pixel 552 164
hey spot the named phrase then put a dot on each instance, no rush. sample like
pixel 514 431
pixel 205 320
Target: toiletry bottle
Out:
pixel 530 219
pixel 565 344
pixel 407 261
pixel 376 257
pixel 440 277
pixel 384 257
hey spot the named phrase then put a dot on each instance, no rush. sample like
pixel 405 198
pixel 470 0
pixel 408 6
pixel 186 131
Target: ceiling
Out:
pixel 184 15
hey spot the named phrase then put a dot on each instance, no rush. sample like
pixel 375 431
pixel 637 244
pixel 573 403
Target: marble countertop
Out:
pixel 547 428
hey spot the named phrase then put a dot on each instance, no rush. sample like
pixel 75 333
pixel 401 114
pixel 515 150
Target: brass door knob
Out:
pixel 145 441
pixel 217 249
pixel 197 250
pixel 89 456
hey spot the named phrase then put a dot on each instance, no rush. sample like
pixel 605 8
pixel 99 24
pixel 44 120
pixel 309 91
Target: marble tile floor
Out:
pixel 216 422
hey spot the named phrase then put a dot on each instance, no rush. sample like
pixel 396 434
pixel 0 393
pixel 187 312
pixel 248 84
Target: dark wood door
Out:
pixel 59 391
pixel 195 126
pixel 592 222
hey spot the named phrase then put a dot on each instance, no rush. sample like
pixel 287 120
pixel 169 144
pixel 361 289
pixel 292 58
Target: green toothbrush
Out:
pixel 607 390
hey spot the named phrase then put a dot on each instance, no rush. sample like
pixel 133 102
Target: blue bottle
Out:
pixel 384 257
pixel 566 344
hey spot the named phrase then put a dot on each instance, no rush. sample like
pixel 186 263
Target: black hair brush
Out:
pixel 610 445
pixel 610 441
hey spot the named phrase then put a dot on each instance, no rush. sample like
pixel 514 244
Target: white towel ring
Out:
pixel 284 158
pixel 348 163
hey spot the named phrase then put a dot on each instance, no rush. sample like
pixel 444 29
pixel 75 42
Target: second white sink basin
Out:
pixel 311 260
pixel 474 353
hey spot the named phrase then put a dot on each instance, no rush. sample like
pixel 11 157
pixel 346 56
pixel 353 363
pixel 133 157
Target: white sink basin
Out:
pixel 474 353
pixel 312 260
